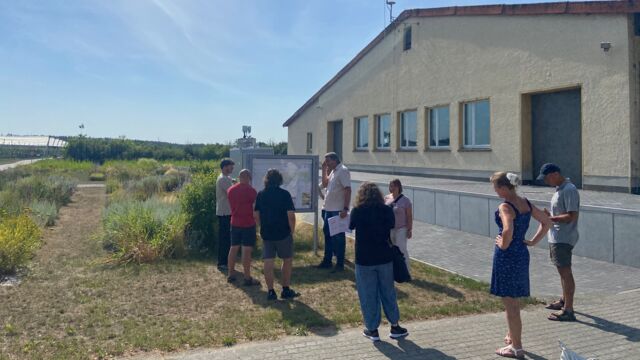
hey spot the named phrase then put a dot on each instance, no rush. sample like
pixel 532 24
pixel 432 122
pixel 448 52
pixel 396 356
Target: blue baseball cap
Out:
pixel 547 169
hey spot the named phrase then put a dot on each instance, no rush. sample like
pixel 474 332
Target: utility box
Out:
pixel 239 156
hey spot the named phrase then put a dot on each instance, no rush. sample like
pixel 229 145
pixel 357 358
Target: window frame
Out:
pixel 378 119
pixel 401 122
pixel 430 131
pixel 407 33
pixel 309 142
pixel 357 121
pixel 473 127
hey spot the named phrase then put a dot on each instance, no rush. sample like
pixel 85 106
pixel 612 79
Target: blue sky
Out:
pixel 185 71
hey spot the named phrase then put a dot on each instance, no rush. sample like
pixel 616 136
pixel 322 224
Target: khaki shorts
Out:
pixel 560 254
pixel 282 248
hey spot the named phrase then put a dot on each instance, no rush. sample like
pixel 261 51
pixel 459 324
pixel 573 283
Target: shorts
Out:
pixel 560 254
pixel 282 248
pixel 245 236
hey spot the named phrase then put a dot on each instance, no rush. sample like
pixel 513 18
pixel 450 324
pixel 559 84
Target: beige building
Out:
pixel 462 92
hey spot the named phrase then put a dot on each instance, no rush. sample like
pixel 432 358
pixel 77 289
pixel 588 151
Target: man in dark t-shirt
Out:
pixel 274 212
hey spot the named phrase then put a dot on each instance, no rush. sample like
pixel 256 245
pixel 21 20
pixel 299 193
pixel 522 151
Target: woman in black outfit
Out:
pixel 373 221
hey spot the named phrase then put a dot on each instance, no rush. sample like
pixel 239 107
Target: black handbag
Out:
pixel 400 271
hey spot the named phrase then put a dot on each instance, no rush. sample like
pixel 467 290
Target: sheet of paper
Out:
pixel 338 225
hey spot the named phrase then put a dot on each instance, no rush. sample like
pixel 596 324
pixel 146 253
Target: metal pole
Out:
pixel 315 230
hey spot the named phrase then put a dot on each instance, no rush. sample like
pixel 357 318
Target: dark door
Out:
pixel 337 137
pixel 557 132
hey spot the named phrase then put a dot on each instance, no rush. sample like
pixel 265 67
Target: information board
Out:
pixel 299 174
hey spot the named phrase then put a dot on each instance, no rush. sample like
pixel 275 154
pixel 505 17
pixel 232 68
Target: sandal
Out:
pixel 563 315
pixel 510 352
pixel 556 305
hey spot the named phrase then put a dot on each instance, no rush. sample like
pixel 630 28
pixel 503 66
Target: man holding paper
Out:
pixel 337 181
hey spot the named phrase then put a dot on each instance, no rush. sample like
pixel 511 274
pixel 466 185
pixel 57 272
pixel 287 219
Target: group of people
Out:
pixel 382 221
pixel 239 207
pixel 510 275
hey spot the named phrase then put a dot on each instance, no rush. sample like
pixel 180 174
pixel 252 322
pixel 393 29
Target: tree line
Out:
pixel 99 150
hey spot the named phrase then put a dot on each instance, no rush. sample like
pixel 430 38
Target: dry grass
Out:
pixel 70 306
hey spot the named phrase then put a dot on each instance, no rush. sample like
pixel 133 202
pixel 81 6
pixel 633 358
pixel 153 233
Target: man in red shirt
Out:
pixel 242 196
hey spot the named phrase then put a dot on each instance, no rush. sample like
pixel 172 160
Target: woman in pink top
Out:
pixel 403 211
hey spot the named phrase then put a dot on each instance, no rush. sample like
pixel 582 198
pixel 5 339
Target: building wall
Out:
pixel 502 58
pixel 634 71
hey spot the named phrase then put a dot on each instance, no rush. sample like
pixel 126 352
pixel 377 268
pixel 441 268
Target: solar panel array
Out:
pixel 35 141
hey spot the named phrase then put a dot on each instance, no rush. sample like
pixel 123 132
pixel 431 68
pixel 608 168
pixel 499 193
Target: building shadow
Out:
pixel 295 313
pixel 408 349
pixel 631 333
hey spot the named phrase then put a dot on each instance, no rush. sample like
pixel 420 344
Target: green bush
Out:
pixel 112 186
pixel 144 188
pixel 198 200
pixel 44 213
pixel 10 203
pixel 56 189
pixel 19 239
pixel 97 176
pixel 143 232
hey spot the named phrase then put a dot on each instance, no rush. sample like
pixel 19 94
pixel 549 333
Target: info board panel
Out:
pixel 299 173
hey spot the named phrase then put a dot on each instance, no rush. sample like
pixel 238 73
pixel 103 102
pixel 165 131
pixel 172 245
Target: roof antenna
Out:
pixel 390 4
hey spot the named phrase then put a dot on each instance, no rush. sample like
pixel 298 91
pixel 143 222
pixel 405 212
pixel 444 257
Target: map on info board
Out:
pixel 297 174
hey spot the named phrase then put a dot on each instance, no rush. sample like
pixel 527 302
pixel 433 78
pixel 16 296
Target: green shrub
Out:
pixel 112 186
pixel 198 200
pixel 56 189
pixel 144 188
pixel 10 203
pixel 144 231
pixel 44 213
pixel 97 176
pixel 19 239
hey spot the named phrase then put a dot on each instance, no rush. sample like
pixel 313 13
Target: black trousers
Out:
pixel 224 238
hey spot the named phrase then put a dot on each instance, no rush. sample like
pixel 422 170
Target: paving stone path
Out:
pixel 607 328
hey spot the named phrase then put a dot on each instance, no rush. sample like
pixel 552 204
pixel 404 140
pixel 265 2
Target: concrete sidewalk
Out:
pixel 607 328
pixel 472 256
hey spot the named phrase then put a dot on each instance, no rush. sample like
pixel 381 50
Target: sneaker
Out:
pixel 271 295
pixel 371 335
pixel 324 265
pixel 288 294
pixel 222 268
pixel 251 282
pixel 231 279
pixel 398 332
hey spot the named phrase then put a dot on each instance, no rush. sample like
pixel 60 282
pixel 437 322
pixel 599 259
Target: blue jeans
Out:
pixel 333 245
pixel 375 286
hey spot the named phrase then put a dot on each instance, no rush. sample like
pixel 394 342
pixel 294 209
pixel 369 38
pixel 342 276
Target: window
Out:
pixel 407 38
pixel 408 130
pixel 439 127
pixel 476 124
pixel 309 142
pixel 383 131
pixel 362 133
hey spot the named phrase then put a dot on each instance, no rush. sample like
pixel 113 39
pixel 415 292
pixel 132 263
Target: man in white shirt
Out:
pixel 337 181
pixel 223 212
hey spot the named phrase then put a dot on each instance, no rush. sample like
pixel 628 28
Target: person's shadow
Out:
pixel 296 315
pixel 408 349
pixel 631 333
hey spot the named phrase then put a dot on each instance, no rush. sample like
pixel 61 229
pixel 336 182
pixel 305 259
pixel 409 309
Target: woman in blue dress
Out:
pixel 510 276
